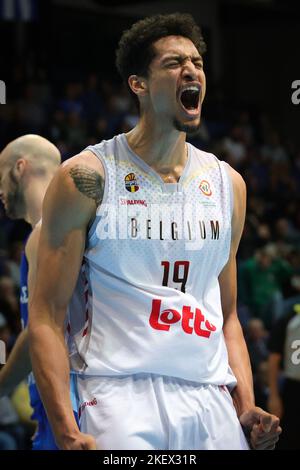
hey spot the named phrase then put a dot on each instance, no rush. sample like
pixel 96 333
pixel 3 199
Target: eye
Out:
pixel 173 63
pixel 199 65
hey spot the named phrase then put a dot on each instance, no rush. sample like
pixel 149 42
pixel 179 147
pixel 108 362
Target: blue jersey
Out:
pixel 43 439
pixel 24 290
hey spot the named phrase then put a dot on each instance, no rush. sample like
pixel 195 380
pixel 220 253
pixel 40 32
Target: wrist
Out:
pixel 66 439
pixel 241 409
pixel 242 405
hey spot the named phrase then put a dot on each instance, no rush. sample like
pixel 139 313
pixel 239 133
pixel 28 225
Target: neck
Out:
pixel 34 195
pixel 158 146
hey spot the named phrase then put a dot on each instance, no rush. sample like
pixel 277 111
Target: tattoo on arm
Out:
pixel 88 182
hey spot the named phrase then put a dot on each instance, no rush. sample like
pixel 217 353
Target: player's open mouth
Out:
pixel 189 98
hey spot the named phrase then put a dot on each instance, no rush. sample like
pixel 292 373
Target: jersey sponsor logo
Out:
pixel 24 295
pixel 131 183
pixel 191 322
pixel 204 186
pixel 133 202
pixel 83 405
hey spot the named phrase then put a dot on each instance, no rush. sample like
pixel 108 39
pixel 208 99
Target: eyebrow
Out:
pixel 181 58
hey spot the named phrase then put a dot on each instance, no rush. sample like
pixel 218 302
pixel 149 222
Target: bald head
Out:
pixel 27 165
pixel 41 153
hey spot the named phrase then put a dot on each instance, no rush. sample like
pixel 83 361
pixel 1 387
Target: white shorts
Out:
pixel 146 411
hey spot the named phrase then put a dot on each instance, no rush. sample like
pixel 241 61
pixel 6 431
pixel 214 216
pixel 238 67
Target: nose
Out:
pixel 189 70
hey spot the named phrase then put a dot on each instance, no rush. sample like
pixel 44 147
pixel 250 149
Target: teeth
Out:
pixel 191 88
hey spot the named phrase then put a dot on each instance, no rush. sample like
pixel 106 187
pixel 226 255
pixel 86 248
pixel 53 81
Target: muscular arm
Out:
pixel 261 427
pixel 242 395
pixel 18 365
pixel 69 206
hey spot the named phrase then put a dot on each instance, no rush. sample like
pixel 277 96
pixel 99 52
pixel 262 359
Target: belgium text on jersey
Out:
pixel 157 222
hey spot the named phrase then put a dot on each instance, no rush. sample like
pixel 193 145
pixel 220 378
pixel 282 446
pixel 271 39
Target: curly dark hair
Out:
pixel 135 50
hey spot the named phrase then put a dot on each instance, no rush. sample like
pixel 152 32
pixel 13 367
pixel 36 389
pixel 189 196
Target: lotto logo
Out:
pixel 191 322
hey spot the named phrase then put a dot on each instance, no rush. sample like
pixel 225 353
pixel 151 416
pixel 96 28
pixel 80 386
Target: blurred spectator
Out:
pixel 285 358
pixel 71 101
pixel 32 110
pixel 273 151
pixel 9 304
pixel 75 132
pixel 58 126
pixel 92 102
pixel 262 279
pixel 286 232
pixel 261 385
pixel 235 147
pixel 256 338
pixel 11 433
pixel 14 260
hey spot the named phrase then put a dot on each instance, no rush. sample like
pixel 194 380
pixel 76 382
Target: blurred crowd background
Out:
pixel 74 110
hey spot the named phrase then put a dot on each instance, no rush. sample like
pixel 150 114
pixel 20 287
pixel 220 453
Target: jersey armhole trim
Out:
pixel 226 167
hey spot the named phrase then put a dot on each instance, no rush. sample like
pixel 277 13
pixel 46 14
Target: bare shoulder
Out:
pixel 74 194
pixel 85 173
pixel 238 183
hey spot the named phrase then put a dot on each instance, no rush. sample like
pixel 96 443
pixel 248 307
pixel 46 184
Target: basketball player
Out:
pixel 27 165
pixel 161 360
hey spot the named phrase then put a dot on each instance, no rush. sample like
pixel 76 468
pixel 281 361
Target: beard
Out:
pixel 188 128
pixel 15 201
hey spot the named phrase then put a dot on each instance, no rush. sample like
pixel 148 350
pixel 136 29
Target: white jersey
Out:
pixel 150 292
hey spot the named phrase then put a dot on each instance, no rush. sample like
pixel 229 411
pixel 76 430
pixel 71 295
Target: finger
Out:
pixel 265 446
pixel 262 437
pixel 266 442
pixel 275 424
pixel 263 440
pixel 270 447
pixel 91 445
pixel 256 431
pixel 266 421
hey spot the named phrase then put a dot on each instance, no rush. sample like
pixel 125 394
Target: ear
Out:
pixel 138 85
pixel 19 168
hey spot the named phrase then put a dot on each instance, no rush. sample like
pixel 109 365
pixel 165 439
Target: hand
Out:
pixel 262 428
pixel 275 405
pixel 79 441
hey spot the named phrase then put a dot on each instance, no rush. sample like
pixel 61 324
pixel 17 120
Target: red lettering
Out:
pixel 187 315
pixel 155 313
pixel 210 326
pixel 163 320
pixel 165 316
pixel 199 318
